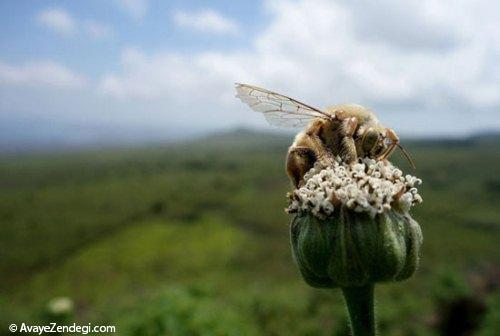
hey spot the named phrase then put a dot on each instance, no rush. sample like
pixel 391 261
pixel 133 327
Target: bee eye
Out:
pixel 370 140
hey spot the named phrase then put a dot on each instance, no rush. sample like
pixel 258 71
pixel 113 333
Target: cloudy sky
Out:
pixel 91 71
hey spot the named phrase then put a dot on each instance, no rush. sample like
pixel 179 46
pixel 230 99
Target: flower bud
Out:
pixel 352 249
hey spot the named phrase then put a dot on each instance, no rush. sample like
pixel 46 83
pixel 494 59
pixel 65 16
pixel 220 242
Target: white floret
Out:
pixel 367 186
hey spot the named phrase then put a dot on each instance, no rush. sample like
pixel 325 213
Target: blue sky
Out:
pixel 24 37
pixel 134 70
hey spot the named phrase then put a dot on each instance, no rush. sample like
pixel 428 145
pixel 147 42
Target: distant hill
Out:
pixel 243 138
pixel 246 138
pixel 487 136
pixel 239 138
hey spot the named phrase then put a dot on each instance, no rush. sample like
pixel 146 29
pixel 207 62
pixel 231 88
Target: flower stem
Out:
pixel 361 309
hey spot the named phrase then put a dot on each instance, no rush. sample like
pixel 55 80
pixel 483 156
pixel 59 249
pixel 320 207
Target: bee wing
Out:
pixel 278 109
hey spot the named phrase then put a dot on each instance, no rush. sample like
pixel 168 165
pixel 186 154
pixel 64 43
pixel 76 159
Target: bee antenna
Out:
pixel 408 156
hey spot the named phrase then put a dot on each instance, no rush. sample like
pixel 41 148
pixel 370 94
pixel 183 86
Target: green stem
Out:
pixel 361 309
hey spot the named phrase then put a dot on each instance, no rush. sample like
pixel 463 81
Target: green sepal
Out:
pixel 351 249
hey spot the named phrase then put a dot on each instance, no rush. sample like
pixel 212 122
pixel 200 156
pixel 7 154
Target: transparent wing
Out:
pixel 278 109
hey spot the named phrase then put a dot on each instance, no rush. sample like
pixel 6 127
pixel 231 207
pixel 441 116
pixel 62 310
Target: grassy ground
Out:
pixel 192 240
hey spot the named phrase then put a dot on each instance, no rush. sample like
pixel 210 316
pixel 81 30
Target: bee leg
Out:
pixel 394 143
pixel 326 159
pixel 323 154
pixel 350 126
pixel 348 151
pixel 298 162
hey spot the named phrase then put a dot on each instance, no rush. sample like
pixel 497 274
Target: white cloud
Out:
pixel 58 20
pixel 205 21
pixel 425 67
pixel 97 29
pixel 41 73
pixel 62 22
pixel 417 25
pixel 438 73
pixel 172 76
pixel 137 9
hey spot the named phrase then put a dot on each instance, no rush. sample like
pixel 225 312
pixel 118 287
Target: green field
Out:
pixel 192 239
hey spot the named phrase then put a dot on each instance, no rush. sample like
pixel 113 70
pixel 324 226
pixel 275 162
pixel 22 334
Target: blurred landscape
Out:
pixel 137 191
pixel 191 239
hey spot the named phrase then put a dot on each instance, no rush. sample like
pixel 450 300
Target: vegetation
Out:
pixel 192 239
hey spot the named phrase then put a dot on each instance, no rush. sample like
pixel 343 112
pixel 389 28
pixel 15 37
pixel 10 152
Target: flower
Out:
pixel 351 225
pixel 368 186
pixel 60 305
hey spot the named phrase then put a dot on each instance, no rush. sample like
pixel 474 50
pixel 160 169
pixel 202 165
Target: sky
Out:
pixel 138 70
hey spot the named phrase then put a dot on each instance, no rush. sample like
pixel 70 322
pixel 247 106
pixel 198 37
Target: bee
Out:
pixel 349 131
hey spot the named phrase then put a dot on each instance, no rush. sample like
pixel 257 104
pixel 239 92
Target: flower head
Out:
pixel 367 186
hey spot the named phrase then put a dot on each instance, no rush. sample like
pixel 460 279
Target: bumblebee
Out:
pixel 348 130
